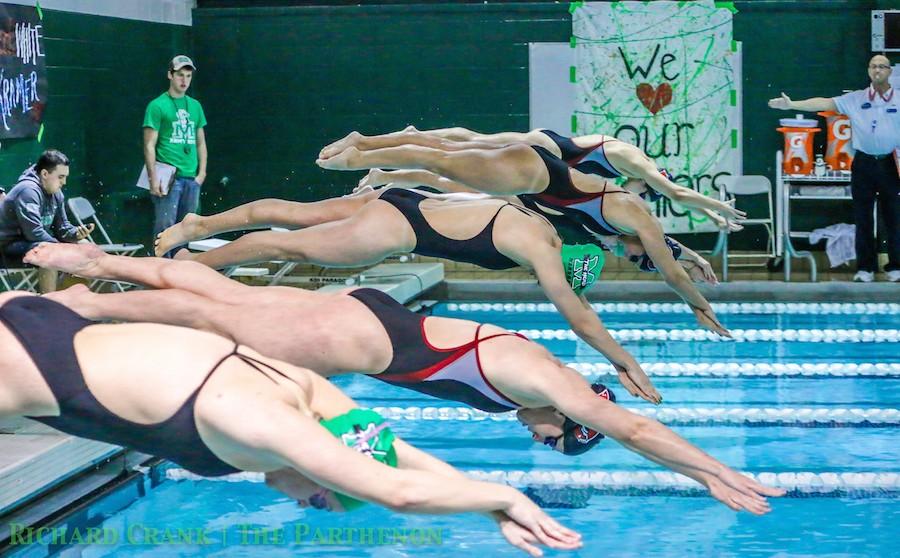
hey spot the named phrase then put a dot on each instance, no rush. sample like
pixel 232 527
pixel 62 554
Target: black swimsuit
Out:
pixel 47 331
pixel 589 160
pixel 563 197
pixel 478 250
pixel 593 160
pixel 453 373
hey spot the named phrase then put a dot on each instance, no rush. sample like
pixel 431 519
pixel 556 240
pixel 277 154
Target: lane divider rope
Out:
pixel 750 370
pixel 809 417
pixel 636 483
pixel 681 308
pixel 738 335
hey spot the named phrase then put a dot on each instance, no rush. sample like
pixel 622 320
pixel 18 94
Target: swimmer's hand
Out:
pixel 707 319
pixel 781 103
pixel 730 212
pixel 524 525
pixel 739 492
pixel 636 382
pixel 700 271
pixel 725 224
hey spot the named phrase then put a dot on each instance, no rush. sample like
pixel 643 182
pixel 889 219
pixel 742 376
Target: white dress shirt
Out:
pixel 874 119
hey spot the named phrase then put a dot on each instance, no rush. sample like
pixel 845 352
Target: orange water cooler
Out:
pixel 839 155
pixel 799 134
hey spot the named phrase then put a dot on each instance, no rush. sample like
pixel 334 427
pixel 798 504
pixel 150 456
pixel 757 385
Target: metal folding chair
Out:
pixel 735 187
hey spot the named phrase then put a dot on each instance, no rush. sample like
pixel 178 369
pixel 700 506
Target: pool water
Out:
pixel 829 433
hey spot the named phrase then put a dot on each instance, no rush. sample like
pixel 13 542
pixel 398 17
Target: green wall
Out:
pixel 285 81
pixel 101 72
pixel 281 82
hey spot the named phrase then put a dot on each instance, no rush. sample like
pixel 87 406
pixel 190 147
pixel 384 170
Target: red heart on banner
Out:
pixel 654 98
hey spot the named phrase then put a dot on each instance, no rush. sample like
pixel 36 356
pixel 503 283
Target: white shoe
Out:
pixel 894 276
pixel 864 277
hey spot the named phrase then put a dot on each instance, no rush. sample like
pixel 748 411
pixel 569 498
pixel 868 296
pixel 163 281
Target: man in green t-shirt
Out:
pixel 173 135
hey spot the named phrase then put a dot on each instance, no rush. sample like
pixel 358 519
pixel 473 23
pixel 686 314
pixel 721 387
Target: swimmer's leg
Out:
pixel 367 237
pixel 87 260
pixel 368 143
pixel 534 137
pixel 446 139
pixel 169 306
pixel 259 214
pixel 516 169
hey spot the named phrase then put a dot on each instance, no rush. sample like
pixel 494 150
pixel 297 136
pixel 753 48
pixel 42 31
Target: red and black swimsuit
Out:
pixel 453 373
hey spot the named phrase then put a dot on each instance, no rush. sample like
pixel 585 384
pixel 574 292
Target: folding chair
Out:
pixel 19 279
pixel 15 276
pixel 83 211
pixel 734 187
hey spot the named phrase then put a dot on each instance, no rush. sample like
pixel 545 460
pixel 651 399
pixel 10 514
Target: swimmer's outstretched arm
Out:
pixel 568 392
pixel 636 164
pixel 585 323
pixel 410 457
pixel 288 438
pixel 721 222
pixel 651 234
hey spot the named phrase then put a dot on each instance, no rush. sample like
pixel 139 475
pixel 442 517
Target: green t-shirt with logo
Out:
pixel 177 121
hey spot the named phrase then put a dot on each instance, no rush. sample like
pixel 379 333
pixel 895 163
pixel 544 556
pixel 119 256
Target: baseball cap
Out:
pixel 181 61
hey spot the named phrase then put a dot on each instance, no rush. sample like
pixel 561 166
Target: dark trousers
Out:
pixel 875 178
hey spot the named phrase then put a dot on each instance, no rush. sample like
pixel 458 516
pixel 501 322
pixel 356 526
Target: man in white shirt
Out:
pixel 875 120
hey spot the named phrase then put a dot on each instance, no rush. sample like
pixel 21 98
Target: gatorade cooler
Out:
pixel 798 144
pixel 839 154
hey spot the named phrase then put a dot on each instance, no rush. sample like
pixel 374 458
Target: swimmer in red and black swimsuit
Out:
pixel 533 173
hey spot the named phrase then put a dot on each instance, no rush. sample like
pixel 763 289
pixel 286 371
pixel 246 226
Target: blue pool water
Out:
pixel 247 519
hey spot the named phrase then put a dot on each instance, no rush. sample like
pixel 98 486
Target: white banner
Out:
pixel 662 76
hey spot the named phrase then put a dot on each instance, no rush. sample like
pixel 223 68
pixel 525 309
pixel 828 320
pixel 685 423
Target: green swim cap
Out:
pixel 365 431
pixel 582 263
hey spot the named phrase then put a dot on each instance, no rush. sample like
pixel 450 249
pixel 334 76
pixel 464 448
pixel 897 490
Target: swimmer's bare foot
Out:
pixel 184 254
pixel 374 179
pixel 190 228
pixel 77 259
pixel 74 298
pixel 347 159
pixel 333 149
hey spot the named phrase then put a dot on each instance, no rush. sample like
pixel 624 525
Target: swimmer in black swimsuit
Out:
pixel 366 331
pixel 365 228
pixel 604 156
pixel 546 184
pixel 290 426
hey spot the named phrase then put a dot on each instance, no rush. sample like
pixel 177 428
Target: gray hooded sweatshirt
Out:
pixel 29 213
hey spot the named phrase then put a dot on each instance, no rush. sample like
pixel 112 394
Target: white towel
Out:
pixel 840 242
